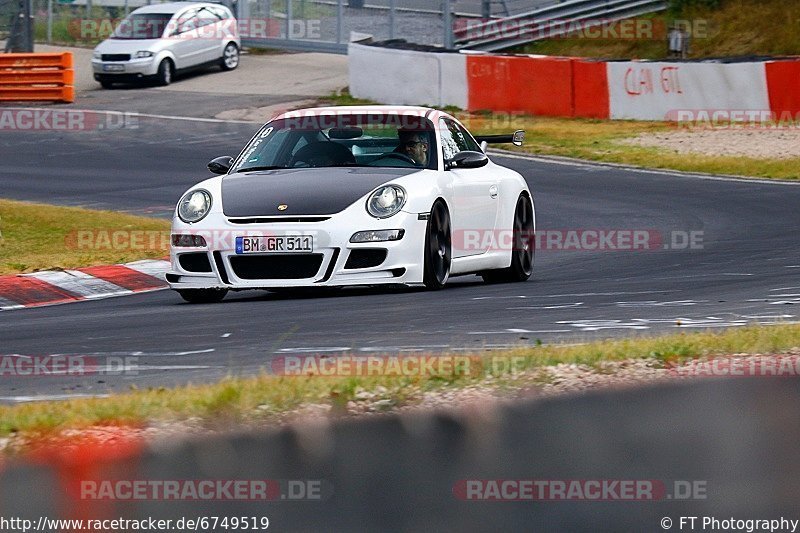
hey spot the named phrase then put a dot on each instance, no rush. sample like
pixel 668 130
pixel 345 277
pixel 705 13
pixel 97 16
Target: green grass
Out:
pixel 736 28
pixel 45 237
pixel 599 140
pixel 265 398
pixel 73 26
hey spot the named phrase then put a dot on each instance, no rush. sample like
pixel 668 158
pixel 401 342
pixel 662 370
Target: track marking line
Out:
pixel 144 115
pixel 596 165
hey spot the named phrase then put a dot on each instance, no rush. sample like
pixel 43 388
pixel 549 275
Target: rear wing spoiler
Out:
pixel 516 138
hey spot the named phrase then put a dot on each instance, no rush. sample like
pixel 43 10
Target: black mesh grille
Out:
pixel 116 57
pixel 366 258
pixel 276 220
pixel 223 274
pixel 299 266
pixel 197 262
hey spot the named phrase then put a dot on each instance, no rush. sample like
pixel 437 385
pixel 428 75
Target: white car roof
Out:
pixel 432 114
pixel 173 7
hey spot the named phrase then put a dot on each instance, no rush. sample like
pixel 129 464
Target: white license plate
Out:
pixel 276 244
pixel 114 68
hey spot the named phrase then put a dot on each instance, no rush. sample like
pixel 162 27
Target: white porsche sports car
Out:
pixel 343 196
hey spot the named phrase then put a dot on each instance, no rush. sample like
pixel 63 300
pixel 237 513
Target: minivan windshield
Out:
pixel 142 26
pixel 342 140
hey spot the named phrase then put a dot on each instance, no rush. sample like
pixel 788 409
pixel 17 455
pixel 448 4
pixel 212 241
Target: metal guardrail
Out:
pixel 498 34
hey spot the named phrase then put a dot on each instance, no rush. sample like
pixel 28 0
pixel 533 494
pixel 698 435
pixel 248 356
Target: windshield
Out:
pixel 349 140
pixel 142 26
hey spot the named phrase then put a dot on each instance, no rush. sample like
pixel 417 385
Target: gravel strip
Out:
pixel 758 143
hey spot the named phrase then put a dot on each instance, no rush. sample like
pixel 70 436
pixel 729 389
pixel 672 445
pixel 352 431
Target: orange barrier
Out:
pixel 28 77
pixel 783 85
pixel 550 82
pixel 590 89
pixel 541 86
pixel 489 80
pixel 548 86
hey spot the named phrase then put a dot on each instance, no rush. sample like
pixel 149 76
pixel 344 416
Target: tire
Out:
pixel 203 296
pixel 166 71
pixel 523 251
pixel 230 57
pixel 438 248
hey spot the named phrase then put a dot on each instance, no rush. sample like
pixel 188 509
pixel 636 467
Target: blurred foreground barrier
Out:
pixel 32 77
pixel 610 461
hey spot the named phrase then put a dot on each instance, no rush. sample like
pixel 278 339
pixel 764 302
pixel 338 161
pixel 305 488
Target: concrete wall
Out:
pixel 407 77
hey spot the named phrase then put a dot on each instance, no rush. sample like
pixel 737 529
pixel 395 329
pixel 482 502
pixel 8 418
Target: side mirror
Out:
pixel 466 159
pixel 221 165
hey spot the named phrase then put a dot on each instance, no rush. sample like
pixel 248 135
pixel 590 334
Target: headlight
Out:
pixel 386 201
pixel 143 53
pixel 194 206
pixel 96 55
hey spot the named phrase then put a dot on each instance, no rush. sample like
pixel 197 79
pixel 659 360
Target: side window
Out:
pixel 458 137
pixel 469 141
pixel 220 13
pixel 206 17
pixel 449 142
pixel 187 21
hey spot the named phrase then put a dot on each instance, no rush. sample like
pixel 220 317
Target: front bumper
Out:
pixel 132 69
pixel 334 262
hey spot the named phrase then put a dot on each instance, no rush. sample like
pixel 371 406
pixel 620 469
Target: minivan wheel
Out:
pixel 230 57
pixel 165 72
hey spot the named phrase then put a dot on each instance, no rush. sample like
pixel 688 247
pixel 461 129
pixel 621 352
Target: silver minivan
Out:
pixel 156 41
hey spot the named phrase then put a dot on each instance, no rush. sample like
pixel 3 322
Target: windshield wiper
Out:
pixel 252 169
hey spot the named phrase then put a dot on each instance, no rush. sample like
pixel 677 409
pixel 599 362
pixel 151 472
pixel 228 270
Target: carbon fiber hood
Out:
pixel 305 191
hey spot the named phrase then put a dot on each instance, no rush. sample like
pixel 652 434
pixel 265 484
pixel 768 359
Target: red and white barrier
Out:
pixel 573 87
pixel 656 91
pixel 783 85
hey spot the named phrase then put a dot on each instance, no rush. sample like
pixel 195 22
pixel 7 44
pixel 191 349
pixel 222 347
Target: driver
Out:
pixel 414 144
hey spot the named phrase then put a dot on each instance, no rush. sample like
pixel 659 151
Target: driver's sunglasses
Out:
pixel 412 144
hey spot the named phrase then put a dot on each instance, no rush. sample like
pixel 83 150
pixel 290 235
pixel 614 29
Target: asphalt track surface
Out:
pixel 743 268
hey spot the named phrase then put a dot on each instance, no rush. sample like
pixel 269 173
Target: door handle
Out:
pixel 493 191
